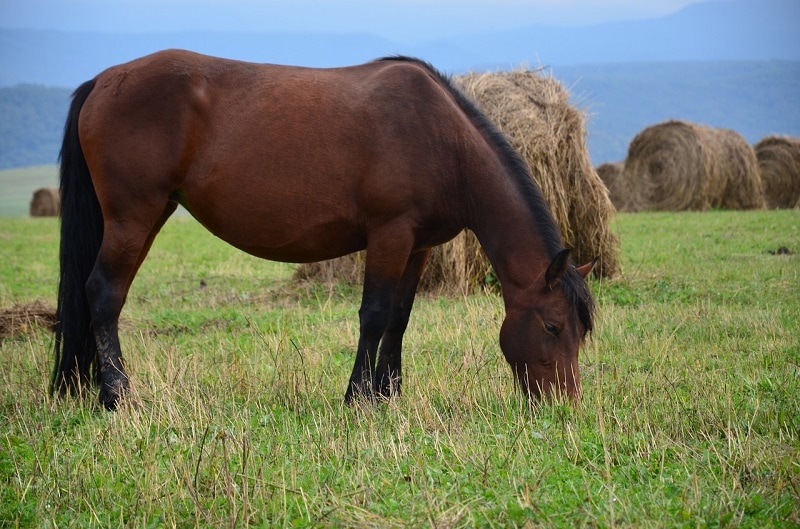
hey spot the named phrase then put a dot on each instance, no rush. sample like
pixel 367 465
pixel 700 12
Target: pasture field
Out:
pixel 690 414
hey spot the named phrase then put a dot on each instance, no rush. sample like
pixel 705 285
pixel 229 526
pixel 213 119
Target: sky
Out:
pixel 392 19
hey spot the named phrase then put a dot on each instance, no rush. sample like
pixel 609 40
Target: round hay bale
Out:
pixel 611 173
pixel 779 163
pixel 534 112
pixel 739 179
pixel 678 165
pixel 46 202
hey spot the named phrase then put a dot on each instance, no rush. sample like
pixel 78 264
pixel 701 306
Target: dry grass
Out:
pixel 678 165
pixel 779 163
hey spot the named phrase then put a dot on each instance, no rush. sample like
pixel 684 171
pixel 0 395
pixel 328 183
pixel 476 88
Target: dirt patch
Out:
pixel 782 250
pixel 22 318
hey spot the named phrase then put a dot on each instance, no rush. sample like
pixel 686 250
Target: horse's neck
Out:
pixel 509 235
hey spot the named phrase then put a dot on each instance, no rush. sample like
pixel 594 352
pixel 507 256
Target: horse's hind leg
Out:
pixel 124 247
pixel 388 373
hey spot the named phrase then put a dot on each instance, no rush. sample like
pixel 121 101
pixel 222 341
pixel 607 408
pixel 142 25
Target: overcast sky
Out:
pixel 400 19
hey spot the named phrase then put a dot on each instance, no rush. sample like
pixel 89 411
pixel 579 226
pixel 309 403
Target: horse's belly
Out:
pixel 316 244
pixel 292 238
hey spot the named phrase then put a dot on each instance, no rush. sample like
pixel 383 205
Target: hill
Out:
pixel 31 122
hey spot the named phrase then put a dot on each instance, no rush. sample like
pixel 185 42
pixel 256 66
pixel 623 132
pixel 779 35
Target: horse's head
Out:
pixel 544 329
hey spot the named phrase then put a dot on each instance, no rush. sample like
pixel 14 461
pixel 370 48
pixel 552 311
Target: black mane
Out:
pixel 574 286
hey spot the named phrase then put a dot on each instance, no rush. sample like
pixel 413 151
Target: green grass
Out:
pixel 690 415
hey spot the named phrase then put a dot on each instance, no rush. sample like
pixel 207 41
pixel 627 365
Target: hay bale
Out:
pixel 533 110
pixel 779 163
pixel 740 185
pixel 46 202
pixel 611 173
pixel 678 165
pixel 347 269
pixel 459 266
pixel 21 318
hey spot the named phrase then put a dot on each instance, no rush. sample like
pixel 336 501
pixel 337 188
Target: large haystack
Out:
pixel 46 202
pixel 779 163
pixel 678 165
pixel 533 110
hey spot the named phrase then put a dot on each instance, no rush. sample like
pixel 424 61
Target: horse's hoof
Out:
pixel 109 403
pixel 359 393
pixel 112 394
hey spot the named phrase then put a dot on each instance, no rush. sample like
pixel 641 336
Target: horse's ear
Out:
pixel 585 270
pixel 557 268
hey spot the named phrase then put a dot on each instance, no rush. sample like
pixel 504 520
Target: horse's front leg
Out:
pixel 388 251
pixel 373 315
pixel 388 372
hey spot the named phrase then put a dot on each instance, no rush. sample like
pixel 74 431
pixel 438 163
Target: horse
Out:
pixel 300 164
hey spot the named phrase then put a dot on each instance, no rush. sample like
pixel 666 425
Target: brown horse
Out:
pixel 299 165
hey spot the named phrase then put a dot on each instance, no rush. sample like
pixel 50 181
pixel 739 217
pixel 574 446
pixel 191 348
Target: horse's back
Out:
pixel 278 160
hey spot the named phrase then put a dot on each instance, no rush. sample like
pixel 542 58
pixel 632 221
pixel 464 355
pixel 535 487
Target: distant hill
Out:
pixel 31 122
pixel 754 98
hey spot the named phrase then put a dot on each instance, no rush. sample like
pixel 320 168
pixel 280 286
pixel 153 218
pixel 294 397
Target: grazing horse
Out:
pixel 299 165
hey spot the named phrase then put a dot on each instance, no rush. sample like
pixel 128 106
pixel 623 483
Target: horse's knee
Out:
pixel 373 320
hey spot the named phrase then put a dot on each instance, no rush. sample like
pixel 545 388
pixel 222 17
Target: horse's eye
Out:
pixel 552 329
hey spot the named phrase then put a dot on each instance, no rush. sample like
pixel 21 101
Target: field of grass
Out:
pixel 690 414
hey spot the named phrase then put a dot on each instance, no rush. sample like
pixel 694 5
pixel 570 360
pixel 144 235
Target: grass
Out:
pixel 690 415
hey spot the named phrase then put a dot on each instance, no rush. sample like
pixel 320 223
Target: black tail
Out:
pixel 81 235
